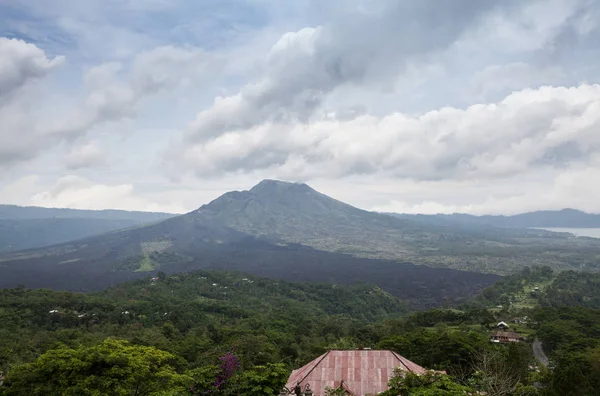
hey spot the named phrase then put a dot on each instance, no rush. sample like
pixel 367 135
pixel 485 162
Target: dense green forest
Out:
pixel 214 332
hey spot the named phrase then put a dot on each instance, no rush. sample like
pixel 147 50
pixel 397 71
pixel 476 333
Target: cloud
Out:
pixel 35 119
pixel 79 193
pixel 565 189
pixel 423 96
pixel 304 66
pixel 545 127
pixel 514 76
pixel 112 97
pixel 287 122
pixel 22 66
pixel 21 63
pixel 16 191
pixel 85 156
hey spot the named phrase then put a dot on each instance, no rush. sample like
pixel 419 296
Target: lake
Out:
pixel 587 232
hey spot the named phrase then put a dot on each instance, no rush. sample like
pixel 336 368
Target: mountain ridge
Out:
pixel 291 231
pixel 29 227
pixel 9 211
pixel 567 218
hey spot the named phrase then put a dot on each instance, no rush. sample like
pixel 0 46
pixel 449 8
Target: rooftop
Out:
pixel 362 371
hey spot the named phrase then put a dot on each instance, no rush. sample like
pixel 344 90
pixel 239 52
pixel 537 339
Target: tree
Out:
pixel 263 380
pixel 431 383
pixel 494 374
pixel 113 367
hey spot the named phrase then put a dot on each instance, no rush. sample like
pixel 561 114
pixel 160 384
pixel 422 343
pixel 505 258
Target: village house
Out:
pixel 505 336
pixel 502 325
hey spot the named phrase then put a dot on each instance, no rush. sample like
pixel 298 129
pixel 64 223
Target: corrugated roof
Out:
pixel 362 371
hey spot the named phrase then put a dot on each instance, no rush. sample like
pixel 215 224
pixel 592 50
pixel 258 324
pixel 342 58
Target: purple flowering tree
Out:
pixel 229 364
pixel 213 380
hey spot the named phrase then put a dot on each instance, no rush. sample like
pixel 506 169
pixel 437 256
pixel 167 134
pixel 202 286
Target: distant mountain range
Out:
pixel 27 227
pixel 290 231
pixel 567 218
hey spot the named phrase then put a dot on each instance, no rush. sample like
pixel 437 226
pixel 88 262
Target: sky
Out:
pixel 420 106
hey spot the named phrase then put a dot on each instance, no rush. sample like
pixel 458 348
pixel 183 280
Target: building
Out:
pixel 358 372
pixel 505 336
pixel 502 325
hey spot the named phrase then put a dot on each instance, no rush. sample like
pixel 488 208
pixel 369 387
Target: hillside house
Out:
pixel 505 336
pixel 358 372
pixel 502 325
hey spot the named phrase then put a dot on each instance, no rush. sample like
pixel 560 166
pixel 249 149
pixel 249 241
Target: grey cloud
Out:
pixel 372 48
pixel 563 154
pixel 356 48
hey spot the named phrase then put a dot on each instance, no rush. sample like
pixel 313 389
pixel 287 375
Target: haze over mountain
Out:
pixel 31 227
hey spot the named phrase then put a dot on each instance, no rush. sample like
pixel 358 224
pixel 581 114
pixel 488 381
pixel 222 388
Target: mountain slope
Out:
pixel 296 213
pixel 203 240
pixel 31 227
pixel 291 231
pixel 101 261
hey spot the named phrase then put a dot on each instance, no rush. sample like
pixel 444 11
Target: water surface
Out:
pixel 587 232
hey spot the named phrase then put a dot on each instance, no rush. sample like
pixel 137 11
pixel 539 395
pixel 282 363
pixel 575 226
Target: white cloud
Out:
pixel 546 127
pixel 17 191
pixel 567 189
pixel 79 193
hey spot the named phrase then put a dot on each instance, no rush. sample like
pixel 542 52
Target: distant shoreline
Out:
pixel 582 232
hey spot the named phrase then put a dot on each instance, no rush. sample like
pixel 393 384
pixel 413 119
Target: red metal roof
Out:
pixel 363 371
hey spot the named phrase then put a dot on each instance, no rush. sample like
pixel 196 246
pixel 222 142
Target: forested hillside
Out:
pixel 562 310
pixel 247 333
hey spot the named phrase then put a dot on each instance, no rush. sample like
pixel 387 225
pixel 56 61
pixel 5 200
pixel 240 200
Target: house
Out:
pixel 502 325
pixel 358 372
pixel 505 336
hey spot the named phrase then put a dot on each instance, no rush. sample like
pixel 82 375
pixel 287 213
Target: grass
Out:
pixel 146 265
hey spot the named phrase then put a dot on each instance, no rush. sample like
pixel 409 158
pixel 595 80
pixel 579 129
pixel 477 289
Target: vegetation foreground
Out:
pixel 224 333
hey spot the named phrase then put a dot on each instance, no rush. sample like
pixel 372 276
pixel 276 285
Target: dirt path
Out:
pixel 539 352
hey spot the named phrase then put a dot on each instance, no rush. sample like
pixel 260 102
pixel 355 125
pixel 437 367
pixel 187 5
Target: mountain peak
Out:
pixel 277 186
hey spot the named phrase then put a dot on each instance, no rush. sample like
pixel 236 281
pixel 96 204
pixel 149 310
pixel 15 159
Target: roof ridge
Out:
pixel 315 366
pixel 400 358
